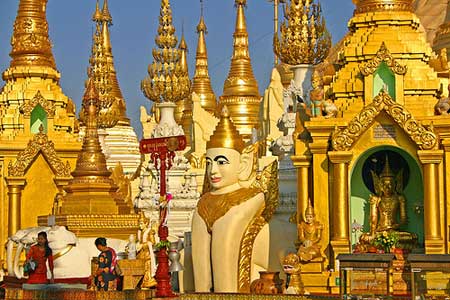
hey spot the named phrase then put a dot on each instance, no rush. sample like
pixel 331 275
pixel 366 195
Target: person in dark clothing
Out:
pixel 107 261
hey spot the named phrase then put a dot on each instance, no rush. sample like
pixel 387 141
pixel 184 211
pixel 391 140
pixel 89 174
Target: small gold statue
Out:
pixel 309 236
pixel 385 205
pixel 146 240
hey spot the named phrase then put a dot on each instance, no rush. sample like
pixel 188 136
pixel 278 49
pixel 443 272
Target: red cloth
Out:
pixel 40 274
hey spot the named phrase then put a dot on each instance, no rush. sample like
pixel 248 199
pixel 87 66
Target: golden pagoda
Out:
pixel 378 107
pixel 182 104
pixel 240 90
pixel 201 83
pixel 37 124
pixel 120 142
pixel 92 207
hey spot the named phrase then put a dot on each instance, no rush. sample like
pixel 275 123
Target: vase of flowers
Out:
pixel 386 240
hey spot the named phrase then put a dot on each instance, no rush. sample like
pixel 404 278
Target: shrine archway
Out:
pixel 361 186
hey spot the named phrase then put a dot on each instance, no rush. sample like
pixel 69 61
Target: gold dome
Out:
pixel 365 6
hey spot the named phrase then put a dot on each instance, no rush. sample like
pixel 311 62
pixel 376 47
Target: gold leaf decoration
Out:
pixel 38 99
pixel 343 140
pixel 383 55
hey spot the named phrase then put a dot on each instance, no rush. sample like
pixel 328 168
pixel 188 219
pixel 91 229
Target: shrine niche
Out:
pixel 36 176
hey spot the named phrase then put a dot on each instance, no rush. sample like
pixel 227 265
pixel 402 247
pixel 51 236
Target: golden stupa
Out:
pixel 379 91
pixel 91 206
pixel 37 123
pixel 240 90
pixel 120 143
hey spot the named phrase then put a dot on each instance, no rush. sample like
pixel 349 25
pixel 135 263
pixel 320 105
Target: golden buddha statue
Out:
pixel 229 227
pixel 385 205
pixel 309 236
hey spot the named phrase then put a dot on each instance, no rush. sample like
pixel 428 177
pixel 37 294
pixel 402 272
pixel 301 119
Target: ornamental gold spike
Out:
pixel 240 91
pixel 167 81
pixel 304 36
pixel 112 107
pixel 201 83
pixel 30 42
pixel 366 6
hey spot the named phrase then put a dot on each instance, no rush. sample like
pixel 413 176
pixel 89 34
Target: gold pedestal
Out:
pixel 99 225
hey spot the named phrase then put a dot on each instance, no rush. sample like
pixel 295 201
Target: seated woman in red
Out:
pixel 40 253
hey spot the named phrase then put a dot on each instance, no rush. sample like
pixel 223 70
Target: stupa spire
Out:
pixel 304 36
pixel 112 104
pixel 30 42
pixel 240 91
pixel 166 80
pixel 365 6
pixel 201 83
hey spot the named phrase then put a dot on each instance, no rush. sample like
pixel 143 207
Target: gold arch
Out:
pixel 38 99
pixel 39 144
pixel 343 140
pixel 383 55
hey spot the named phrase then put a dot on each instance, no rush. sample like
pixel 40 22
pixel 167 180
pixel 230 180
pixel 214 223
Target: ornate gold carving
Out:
pixel 30 42
pixel 38 99
pixel 304 36
pixel 167 80
pixel 39 144
pixel 267 182
pixel 343 140
pixel 383 55
pixel 365 6
pixel 212 207
pixel 226 135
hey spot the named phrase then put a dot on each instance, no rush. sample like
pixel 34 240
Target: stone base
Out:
pixel 114 226
pixel 19 294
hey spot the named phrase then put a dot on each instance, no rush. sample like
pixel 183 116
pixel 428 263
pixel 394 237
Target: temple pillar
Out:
pixel 434 241
pixel 15 188
pixel 302 164
pixel 340 232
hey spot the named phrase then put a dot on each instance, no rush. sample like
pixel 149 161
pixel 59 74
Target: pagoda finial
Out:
pixel 98 16
pixel 304 36
pixel 105 12
pixel 166 81
pixel 240 91
pixel 201 83
pixel 112 105
pixel 30 42
pixel 365 6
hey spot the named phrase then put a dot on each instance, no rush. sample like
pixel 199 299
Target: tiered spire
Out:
pixel 240 91
pixel 201 83
pixel 91 189
pixel 183 104
pixel 304 36
pixel 30 42
pixel 167 81
pixel 112 103
pixel 365 6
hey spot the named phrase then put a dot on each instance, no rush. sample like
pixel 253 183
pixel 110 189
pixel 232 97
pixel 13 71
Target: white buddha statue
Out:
pixel 230 235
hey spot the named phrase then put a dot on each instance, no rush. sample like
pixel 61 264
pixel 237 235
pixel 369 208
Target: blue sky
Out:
pixel 134 31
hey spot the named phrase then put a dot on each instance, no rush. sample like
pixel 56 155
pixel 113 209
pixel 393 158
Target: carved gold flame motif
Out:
pixel 167 80
pixel 304 36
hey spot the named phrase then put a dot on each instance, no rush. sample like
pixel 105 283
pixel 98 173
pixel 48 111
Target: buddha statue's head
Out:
pixel 387 179
pixel 226 161
pixel 309 213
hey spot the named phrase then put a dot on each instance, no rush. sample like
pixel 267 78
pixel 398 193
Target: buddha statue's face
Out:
pixel 387 186
pixel 309 218
pixel 222 167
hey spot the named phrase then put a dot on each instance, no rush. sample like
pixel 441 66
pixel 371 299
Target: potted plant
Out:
pixel 386 240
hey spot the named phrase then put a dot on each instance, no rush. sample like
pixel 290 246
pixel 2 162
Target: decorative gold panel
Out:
pixel 38 99
pixel 383 55
pixel 343 140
